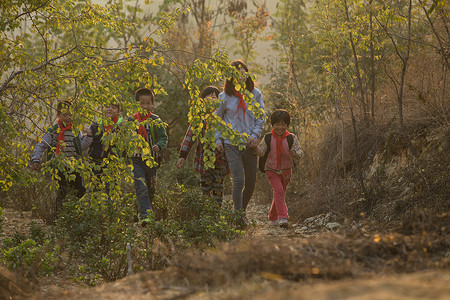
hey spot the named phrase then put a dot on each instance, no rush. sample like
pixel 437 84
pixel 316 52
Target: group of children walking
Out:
pixel 276 150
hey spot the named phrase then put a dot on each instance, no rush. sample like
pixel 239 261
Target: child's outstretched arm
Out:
pixel 296 150
pixel 186 146
pixel 262 148
pixel 39 150
pixel 259 122
pixel 87 138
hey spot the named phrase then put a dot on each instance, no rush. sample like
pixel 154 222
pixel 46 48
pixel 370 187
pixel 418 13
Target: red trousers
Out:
pixel 279 183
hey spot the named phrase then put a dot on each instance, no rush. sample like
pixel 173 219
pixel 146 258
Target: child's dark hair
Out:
pixel 63 105
pixel 208 90
pixel 144 92
pixel 229 84
pixel 117 104
pixel 279 115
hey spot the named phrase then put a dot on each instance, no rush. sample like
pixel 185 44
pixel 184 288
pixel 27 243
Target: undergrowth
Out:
pixel 91 235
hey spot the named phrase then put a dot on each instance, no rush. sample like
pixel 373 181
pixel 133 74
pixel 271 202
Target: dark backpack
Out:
pixel 267 140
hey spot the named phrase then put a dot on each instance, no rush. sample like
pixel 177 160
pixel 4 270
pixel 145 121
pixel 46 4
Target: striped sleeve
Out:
pixel 187 143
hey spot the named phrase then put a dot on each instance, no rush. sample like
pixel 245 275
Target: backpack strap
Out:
pixel 77 142
pixel 290 140
pixel 268 139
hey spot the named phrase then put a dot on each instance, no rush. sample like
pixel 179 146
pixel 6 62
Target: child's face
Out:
pixel 146 103
pixel 65 116
pixel 111 111
pixel 242 77
pixel 211 96
pixel 280 127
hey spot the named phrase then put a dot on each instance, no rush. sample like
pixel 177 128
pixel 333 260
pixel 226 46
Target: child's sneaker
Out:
pixel 283 222
pixel 273 223
pixel 143 221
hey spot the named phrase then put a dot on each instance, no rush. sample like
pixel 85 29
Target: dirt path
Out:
pixel 257 214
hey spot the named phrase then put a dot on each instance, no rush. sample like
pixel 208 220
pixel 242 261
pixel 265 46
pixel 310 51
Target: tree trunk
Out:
pixel 405 59
pixel 372 66
pixel 357 72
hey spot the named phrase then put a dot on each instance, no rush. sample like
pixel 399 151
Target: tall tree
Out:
pixel 246 26
pixel 290 35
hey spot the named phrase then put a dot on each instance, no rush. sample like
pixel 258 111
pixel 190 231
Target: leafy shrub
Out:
pixel 185 175
pixel 30 255
pixel 37 233
pixel 28 194
pixel 183 218
pixel 13 153
pixel 95 230
pixel 196 219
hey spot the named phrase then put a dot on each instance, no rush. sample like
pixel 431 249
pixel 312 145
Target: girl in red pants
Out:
pixel 276 151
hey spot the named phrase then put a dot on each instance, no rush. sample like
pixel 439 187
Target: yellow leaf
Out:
pixel 377 238
pixel 271 276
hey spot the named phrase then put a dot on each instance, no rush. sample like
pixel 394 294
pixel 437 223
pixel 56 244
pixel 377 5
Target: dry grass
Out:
pixel 398 184
pixel 329 256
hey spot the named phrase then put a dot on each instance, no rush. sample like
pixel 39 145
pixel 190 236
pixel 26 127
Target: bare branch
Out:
pixel 43 65
pixel 32 11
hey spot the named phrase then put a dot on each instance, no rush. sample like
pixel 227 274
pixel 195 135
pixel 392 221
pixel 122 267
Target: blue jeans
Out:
pixel 243 165
pixel 144 183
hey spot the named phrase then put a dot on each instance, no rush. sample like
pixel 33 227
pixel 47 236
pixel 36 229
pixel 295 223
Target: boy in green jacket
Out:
pixel 155 135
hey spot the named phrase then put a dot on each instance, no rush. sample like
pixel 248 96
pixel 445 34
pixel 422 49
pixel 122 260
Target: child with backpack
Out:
pixel 276 151
pixel 155 135
pixel 61 140
pixel 98 151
